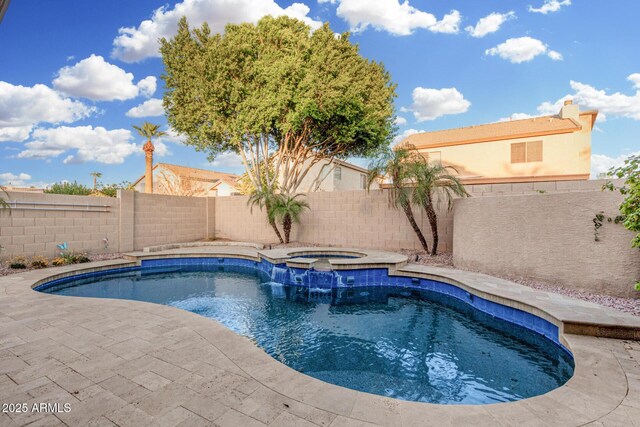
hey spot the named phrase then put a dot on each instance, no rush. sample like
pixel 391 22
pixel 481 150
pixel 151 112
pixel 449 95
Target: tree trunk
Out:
pixel 272 222
pixel 407 210
pixel 433 221
pixel 286 225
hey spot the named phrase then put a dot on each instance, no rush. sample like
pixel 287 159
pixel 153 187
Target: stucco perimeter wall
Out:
pixel 341 218
pixel 39 222
pixel 549 237
pixel 160 219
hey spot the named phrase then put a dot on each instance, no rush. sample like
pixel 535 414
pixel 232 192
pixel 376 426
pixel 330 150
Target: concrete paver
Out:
pixel 131 363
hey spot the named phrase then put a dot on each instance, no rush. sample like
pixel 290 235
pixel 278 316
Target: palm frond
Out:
pixel 3 203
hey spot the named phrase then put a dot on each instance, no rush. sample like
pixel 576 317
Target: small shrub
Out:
pixel 18 262
pixel 39 262
pixel 74 257
pixel 82 258
pixel 72 188
pixel 59 261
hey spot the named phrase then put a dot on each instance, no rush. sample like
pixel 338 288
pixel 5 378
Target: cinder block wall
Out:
pixel 364 219
pixel 549 237
pixel 345 218
pixel 37 228
pixel 536 230
pixel 160 219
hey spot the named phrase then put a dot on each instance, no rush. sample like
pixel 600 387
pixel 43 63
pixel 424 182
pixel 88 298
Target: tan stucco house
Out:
pixel 546 148
pixel 184 181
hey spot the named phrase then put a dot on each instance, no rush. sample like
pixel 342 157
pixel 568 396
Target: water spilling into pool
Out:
pixel 407 344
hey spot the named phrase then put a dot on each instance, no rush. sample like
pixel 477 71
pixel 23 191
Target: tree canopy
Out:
pixel 276 88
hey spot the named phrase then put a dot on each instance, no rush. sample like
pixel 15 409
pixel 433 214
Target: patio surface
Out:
pixel 132 363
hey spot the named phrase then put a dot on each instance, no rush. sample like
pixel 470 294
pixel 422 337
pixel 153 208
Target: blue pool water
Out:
pixel 404 343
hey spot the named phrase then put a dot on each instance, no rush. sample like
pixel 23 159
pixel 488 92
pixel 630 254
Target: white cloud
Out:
pixel 98 80
pixel 400 121
pixel 449 24
pixel 522 49
pixel 149 108
pixel 147 86
pixel 589 97
pixel 550 6
pixel 23 107
pixel 554 55
pixel 227 160
pixel 18 180
pixel 135 44
pixel 85 143
pixel 607 104
pixel 601 163
pixel 173 137
pixel 489 24
pixel 400 19
pixel 15 133
pixel 161 149
pixel 550 108
pixel 429 104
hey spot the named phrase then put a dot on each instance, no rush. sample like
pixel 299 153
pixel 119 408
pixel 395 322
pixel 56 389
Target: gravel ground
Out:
pixel 5 270
pixel 628 305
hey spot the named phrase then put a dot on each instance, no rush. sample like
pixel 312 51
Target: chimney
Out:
pixel 570 110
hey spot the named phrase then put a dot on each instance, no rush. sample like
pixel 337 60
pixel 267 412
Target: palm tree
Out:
pixel 434 182
pixel 288 210
pixel 397 165
pixel 265 198
pixel 149 130
pixel 95 176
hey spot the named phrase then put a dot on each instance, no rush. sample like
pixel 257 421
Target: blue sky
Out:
pixel 76 74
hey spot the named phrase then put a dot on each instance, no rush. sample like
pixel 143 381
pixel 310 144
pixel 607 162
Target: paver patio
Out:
pixel 133 363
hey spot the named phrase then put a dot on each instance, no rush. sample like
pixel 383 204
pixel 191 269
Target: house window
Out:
pixel 526 152
pixel 337 173
pixel 363 181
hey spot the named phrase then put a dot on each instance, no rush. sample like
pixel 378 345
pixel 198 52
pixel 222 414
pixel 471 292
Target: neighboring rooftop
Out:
pixel 194 174
pixel 512 129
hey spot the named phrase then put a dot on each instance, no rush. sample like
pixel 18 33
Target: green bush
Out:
pixel 71 188
pixel 630 206
pixel 111 190
pixel 72 257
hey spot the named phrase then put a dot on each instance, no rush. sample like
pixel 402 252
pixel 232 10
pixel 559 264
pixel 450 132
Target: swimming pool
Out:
pixel 400 337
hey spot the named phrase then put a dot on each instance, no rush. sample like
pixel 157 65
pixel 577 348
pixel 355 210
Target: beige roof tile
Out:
pixel 537 126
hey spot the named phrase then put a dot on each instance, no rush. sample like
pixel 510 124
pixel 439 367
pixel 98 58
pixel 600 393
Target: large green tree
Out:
pixel 276 89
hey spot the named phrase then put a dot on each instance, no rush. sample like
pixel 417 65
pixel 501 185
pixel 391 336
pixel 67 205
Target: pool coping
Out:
pixel 606 381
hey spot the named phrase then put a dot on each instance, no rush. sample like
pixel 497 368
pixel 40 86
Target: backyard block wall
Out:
pixel 160 219
pixel 345 218
pixel 540 231
pixel 549 237
pixel 130 222
pixel 48 220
